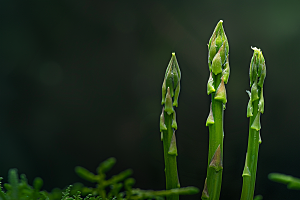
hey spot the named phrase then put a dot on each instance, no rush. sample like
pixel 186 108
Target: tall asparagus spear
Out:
pixel 255 107
pixel 168 124
pixel 219 73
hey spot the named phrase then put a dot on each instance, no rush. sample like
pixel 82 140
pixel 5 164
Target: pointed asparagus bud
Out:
pixel 216 31
pixel 172 80
pixel 212 50
pixel 210 85
pixel 177 90
pixel 210 118
pixel 174 123
pixel 212 46
pixel 222 53
pixel 216 65
pixel 169 81
pixel 226 72
pixel 205 191
pixel 173 147
pixel 254 92
pixel 216 161
pixel 256 123
pixel 176 66
pixel 246 171
pixel 162 121
pixel 257 67
pixel 249 109
pixel 261 103
pixel 218 41
pixel 221 92
pixel 169 106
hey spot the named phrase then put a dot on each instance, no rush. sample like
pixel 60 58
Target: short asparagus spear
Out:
pixel 219 73
pixel 168 125
pixel 255 107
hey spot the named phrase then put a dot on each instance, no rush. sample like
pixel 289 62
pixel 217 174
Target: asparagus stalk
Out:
pixel 219 73
pixel 168 124
pixel 255 107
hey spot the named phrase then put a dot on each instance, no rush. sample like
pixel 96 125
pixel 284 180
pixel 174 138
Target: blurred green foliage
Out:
pixel 113 188
pixel 292 183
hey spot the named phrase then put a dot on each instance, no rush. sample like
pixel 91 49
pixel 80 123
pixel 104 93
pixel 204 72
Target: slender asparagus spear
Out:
pixel 168 125
pixel 219 73
pixel 255 107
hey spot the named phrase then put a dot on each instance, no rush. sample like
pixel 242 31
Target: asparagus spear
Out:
pixel 219 73
pixel 255 107
pixel 168 124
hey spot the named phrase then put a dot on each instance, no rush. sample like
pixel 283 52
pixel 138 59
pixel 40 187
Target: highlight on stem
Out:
pixel 168 124
pixel 218 62
pixel 255 108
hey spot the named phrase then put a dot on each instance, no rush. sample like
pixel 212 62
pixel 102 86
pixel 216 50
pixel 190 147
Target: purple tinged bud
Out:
pixel 222 53
pixel 226 72
pixel 205 191
pixel 216 161
pixel 168 105
pixel 162 125
pixel 173 147
pixel 221 92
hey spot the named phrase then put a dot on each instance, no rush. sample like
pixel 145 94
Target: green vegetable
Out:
pixel 168 124
pixel 219 73
pixel 255 107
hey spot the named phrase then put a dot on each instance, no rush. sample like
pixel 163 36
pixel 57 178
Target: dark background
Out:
pixel 80 81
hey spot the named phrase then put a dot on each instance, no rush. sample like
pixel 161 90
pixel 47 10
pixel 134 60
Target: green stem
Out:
pixel 249 174
pixel 170 159
pixel 215 153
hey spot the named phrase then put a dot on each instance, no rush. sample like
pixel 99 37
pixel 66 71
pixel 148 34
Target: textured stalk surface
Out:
pixel 219 73
pixel 254 109
pixel 168 124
